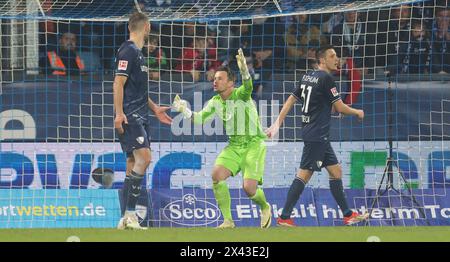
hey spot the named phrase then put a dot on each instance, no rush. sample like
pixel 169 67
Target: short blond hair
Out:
pixel 136 21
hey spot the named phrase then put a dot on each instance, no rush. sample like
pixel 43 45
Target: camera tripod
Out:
pixel 388 173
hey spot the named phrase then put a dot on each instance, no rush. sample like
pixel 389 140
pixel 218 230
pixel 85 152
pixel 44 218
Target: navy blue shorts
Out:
pixel 136 134
pixel 317 155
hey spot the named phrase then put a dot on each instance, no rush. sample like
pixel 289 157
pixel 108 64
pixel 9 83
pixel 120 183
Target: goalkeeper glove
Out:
pixel 181 106
pixel 242 64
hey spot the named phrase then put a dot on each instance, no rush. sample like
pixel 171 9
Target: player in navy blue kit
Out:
pixel 132 109
pixel 319 96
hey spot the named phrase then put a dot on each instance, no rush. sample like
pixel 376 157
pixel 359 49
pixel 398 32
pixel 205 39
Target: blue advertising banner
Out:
pixel 179 165
pixel 53 208
pixel 316 207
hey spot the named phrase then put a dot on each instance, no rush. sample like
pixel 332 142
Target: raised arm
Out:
pixel 244 92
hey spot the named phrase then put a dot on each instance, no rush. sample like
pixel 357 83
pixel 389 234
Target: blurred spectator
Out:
pixel 90 45
pixel 441 42
pixel 246 37
pixel 246 45
pixel 178 36
pixel 399 29
pixel 191 30
pixel 91 61
pixel 348 39
pixel 193 58
pixel 308 61
pixel 416 58
pixel 302 37
pixel 377 31
pixel 267 48
pixel 212 60
pixel 114 34
pixel 65 60
pixel 333 21
pixel 228 38
pixel 156 60
pixel 294 49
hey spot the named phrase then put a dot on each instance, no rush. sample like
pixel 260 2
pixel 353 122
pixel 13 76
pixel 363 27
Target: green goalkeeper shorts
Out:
pixel 247 159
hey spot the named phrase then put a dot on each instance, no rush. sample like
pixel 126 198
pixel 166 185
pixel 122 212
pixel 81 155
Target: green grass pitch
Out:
pixel 244 234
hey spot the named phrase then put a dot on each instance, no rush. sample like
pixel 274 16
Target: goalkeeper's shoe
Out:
pixel 355 218
pixel 266 217
pixel 131 222
pixel 227 224
pixel 286 222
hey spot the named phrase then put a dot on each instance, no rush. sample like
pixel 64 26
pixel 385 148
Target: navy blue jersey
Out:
pixel 317 91
pixel 130 63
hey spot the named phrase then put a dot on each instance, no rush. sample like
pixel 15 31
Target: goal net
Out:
pixel 56 109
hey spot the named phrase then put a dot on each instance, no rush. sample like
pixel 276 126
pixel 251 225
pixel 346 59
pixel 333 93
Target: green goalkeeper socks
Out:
pixel 222 194
pixel 260 199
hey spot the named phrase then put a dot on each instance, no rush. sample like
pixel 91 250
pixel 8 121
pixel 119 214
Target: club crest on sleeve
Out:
pixel 334 91
pixel 123 64
pixel 140 140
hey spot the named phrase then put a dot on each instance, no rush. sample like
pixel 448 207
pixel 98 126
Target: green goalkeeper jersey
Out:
pixel 238 113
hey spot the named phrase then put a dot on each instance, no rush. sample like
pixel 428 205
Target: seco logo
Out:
pixel 190 211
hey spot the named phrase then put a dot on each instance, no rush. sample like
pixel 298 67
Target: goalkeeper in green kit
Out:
pixel 246 150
